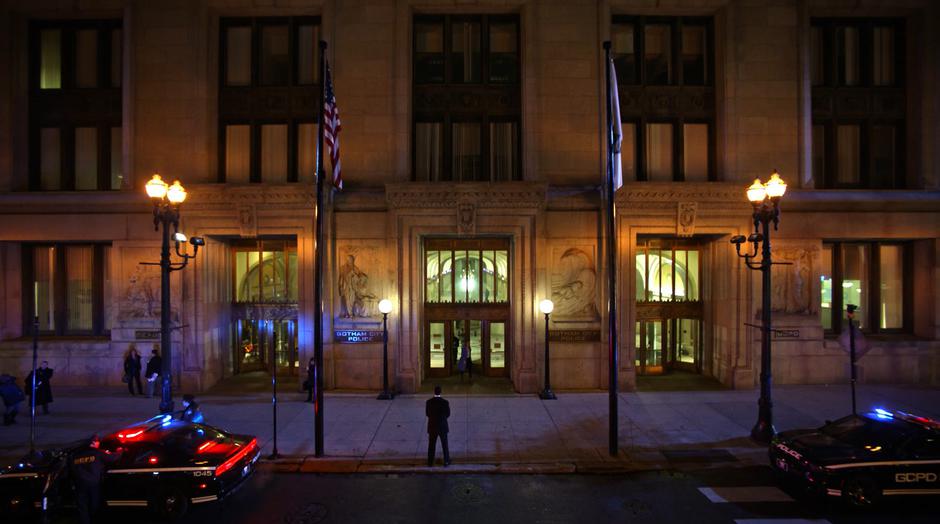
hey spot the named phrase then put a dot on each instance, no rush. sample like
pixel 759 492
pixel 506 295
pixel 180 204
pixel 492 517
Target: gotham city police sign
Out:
pixel 356 336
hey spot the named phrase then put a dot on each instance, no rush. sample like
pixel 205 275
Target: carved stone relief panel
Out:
pixel 574 283
pixel 685 218
pixel 357 287
pixel 248 221
pixel 794 287
pixel 138 293
pixel 466 218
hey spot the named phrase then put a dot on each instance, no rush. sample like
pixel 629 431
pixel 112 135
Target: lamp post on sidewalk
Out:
pixel 385 306
pixel 546 307
pixel 166 212
pixel 765 198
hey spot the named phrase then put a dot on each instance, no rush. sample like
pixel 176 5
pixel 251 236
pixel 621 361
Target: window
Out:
pixel 856 69
pixel 269 67
pixel 467 108
pixel 67 287
pixel 75 135
pixel 665 81
pixel 469 271
pixel 266 271
pixel 875 276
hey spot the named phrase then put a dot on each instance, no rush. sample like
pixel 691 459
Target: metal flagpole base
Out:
pixel 385 395
pixel 547 394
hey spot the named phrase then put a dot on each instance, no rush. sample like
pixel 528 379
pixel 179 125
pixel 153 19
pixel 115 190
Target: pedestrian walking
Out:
pixel 154 368
pixel 438 411
pixel 12 396
pixel 191 411
pixel 132 369
pixel 311 379
pixel 87 467
pixel 43 386
pixel 466 364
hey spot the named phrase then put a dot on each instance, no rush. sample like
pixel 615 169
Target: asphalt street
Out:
pixel 745 495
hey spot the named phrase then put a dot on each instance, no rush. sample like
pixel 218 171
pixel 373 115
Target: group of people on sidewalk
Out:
pixel 132 367
pixel 13 395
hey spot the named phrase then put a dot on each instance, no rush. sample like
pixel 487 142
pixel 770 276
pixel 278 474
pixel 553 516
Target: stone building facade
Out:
pixel 473 154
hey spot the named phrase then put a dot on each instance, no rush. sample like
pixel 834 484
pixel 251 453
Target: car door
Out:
pixel 921 472
pixel 128 480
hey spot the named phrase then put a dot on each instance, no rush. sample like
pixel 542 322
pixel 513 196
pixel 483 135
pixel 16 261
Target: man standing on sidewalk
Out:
pixel 438 411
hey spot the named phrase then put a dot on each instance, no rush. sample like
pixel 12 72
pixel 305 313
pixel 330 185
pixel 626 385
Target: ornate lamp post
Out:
pixel 546 307
pixel 766 201
pixel 166 211
pixel 385 306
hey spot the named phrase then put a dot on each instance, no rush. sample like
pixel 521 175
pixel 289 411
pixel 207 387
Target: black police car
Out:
pixel 164 464
pixel 862 458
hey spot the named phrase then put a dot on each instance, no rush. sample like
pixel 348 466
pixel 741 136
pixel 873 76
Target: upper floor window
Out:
pixel 266 271
pixel 467 108
pixel 857 74
pixel 268 99
pixel 667 101
pixel 75 135
pixel 875 276
pixel 68 286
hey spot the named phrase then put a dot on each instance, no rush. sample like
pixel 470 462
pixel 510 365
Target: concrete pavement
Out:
pixel 489 433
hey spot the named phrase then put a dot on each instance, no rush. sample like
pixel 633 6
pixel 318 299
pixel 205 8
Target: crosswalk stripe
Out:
pixel 781 521
pixel 719 495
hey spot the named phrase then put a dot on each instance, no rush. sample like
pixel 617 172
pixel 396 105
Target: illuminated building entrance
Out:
pixel 466 302
pixel 264 312
pixel 668 306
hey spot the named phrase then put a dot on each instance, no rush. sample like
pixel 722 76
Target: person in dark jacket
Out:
pixel 86 469
pixel 132 369
pixel 438 411
pixel 191 411
pixel 43 386
pixel 12 396
pixel 311 379
pixel 154 368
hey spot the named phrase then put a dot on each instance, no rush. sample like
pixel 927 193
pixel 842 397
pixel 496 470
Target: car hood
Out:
pixel 816 446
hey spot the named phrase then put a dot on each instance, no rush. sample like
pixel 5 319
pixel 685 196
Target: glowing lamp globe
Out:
pixel 385 306
pixel 756 192
pixel 176 194
pixel 775 187
pixel 546 306
pixel 156 187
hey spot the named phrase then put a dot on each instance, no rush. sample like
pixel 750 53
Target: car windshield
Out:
pixel 861 431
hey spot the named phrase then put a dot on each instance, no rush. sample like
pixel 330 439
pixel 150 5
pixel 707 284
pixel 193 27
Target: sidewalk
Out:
pixel 497 433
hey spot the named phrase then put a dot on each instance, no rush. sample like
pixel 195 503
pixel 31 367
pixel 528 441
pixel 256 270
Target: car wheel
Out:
pixel 172 504
pixel 860 492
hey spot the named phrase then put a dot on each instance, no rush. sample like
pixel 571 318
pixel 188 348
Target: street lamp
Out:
pixel 166 211
pixel 385 306
pixel 546 306
pixel 765 197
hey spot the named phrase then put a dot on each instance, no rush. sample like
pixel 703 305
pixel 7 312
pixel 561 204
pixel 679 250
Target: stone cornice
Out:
pixel 670 192
pixel 482 195
pixel 262 195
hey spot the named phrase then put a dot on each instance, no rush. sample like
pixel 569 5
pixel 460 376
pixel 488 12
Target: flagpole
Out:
pixel 318 272
pixel 613 437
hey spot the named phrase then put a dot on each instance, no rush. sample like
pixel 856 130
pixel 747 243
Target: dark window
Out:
pixel 467 108
pixel 75 137
pixel 875 276
pixel 68 287
pixel 857 73
pixel 268 99
pixel 667 101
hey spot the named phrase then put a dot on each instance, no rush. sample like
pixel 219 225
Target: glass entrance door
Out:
pixel 261 344
pixel 485 339
pixel 666 344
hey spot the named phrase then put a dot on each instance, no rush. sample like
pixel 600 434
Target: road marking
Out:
pixel 781 521
pixel 720 495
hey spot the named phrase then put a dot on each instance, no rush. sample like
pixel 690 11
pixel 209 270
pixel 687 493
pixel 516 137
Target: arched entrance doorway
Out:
pixel 264 310
pixel 466 302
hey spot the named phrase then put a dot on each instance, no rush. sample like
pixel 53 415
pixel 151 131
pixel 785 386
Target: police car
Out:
pixel 164 464
pixel 862 458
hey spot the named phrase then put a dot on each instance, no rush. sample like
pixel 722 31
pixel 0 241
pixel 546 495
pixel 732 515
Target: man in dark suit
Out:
pixel 438 410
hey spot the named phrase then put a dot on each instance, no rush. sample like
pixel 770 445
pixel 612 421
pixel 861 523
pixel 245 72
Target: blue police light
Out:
pixel 883 414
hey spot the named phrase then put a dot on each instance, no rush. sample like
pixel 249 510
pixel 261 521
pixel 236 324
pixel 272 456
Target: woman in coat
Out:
pixel 43 386
pixel 132 369
pixel 311 379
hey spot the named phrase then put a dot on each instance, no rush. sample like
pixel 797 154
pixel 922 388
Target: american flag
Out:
pixel 331 129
